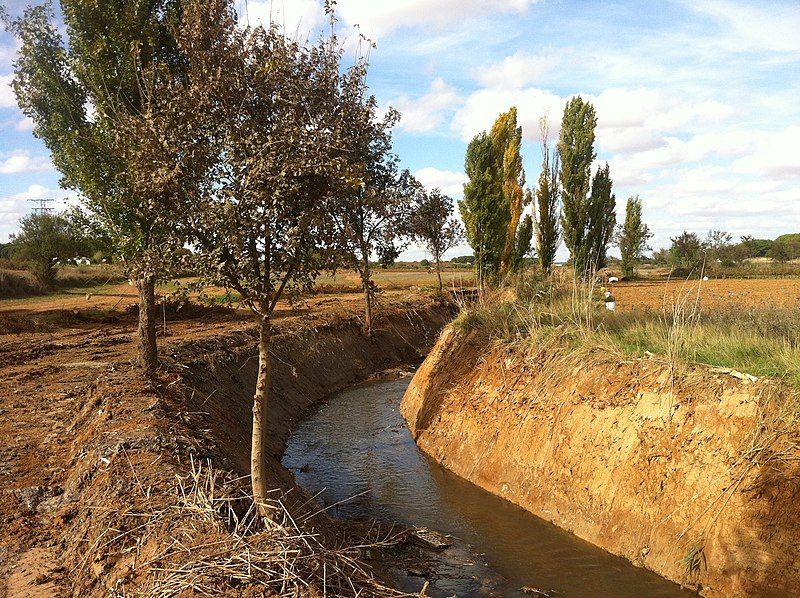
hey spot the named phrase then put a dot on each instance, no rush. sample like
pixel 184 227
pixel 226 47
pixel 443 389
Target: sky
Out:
pixel 697 101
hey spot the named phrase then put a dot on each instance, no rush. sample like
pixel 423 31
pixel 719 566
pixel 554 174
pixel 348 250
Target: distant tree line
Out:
pixel 689 251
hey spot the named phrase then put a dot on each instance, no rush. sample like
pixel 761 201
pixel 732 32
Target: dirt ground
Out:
pixel 712 293
pixel 120 296
pixel 87 448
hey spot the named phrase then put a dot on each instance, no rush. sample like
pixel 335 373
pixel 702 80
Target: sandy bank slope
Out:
pixel 100 497
pixel 696 478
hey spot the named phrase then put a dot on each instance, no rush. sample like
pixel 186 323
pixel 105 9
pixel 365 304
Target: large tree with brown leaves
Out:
pixel 269 122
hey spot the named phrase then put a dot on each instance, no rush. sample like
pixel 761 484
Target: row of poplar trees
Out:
pixel 264 154
pixel 568 202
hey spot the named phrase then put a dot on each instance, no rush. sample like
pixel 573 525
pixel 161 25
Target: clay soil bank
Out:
pixel 693 475
pixel 99 465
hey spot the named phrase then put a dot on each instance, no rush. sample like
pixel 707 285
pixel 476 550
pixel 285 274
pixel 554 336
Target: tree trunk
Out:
pixel 439 274
pixel 365 282
pixel 367 310
pixel 258 448
pixel 148 350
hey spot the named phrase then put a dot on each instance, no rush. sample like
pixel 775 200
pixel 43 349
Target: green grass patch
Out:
pixel 758 341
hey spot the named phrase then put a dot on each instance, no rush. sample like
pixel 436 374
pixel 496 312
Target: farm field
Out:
pixel 120 296
pixel 657 295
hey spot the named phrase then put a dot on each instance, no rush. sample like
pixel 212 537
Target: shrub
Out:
pixel 17 284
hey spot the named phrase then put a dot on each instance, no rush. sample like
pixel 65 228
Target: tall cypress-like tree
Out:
pixel 522 243
pixel 601 219
pixel 484 208
pixel 576 152
pixel 507 139
pixel 546 224
pixel 632 237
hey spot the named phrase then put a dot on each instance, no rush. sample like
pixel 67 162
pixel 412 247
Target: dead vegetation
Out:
pixel 219 544
pixel 20 283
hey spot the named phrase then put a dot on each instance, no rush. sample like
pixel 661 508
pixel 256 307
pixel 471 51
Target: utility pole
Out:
pixel 43 207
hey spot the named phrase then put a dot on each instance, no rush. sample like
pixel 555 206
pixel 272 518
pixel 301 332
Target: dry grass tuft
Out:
pixel 220 545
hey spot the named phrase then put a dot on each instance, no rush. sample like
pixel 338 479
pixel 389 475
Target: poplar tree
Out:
pixel 507 139
pixel 522 244
pixel 484 209
pixel 576 153
pixel 601 219
pixel 77 93
pixel 546 224
pixel 632 237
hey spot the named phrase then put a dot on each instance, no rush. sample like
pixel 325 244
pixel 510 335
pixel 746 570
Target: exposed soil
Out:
pixel 712 293
pixel 93 455
pixel 695 476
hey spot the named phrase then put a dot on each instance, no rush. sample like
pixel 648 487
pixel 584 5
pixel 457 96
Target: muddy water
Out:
pixel 355 450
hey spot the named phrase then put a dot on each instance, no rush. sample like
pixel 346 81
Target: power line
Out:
pixel 43 207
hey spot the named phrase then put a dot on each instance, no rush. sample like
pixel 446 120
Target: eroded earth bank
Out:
pixel 688 472
pixel 113 486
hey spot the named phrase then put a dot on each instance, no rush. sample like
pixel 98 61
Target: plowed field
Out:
pixel 712 293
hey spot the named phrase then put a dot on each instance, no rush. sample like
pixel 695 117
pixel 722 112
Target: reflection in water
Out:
pixel 357 445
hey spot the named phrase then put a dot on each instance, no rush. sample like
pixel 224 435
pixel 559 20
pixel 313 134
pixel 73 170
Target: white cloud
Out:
pixel 7 98
pixel 375 18
pixel 20 163
pixel 8 52
pixel 482 107
pixel 449 182
pixel 754 152
pixel 24 124
pixel 381 17
pixel 15 206
pixel 425 114
pixel 295 16
pixel 771 27
pixel 633 120
pixel 628 140
pixel 773 155
pixel 518 70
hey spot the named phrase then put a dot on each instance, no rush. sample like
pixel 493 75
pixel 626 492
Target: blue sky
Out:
pixel 697 102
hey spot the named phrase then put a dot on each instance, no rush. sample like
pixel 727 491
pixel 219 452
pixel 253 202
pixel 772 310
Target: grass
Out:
pixel 761 341
pixel 395 279
pixel 735 344
pixel 20 283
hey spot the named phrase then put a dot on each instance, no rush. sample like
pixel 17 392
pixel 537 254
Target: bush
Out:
pixel 44 240
pixel 468 260
pixel 17 284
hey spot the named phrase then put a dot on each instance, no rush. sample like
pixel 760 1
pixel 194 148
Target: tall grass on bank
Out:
pixel 761 341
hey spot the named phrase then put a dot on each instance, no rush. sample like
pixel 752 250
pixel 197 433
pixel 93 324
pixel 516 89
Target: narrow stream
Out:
pixel 356 446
